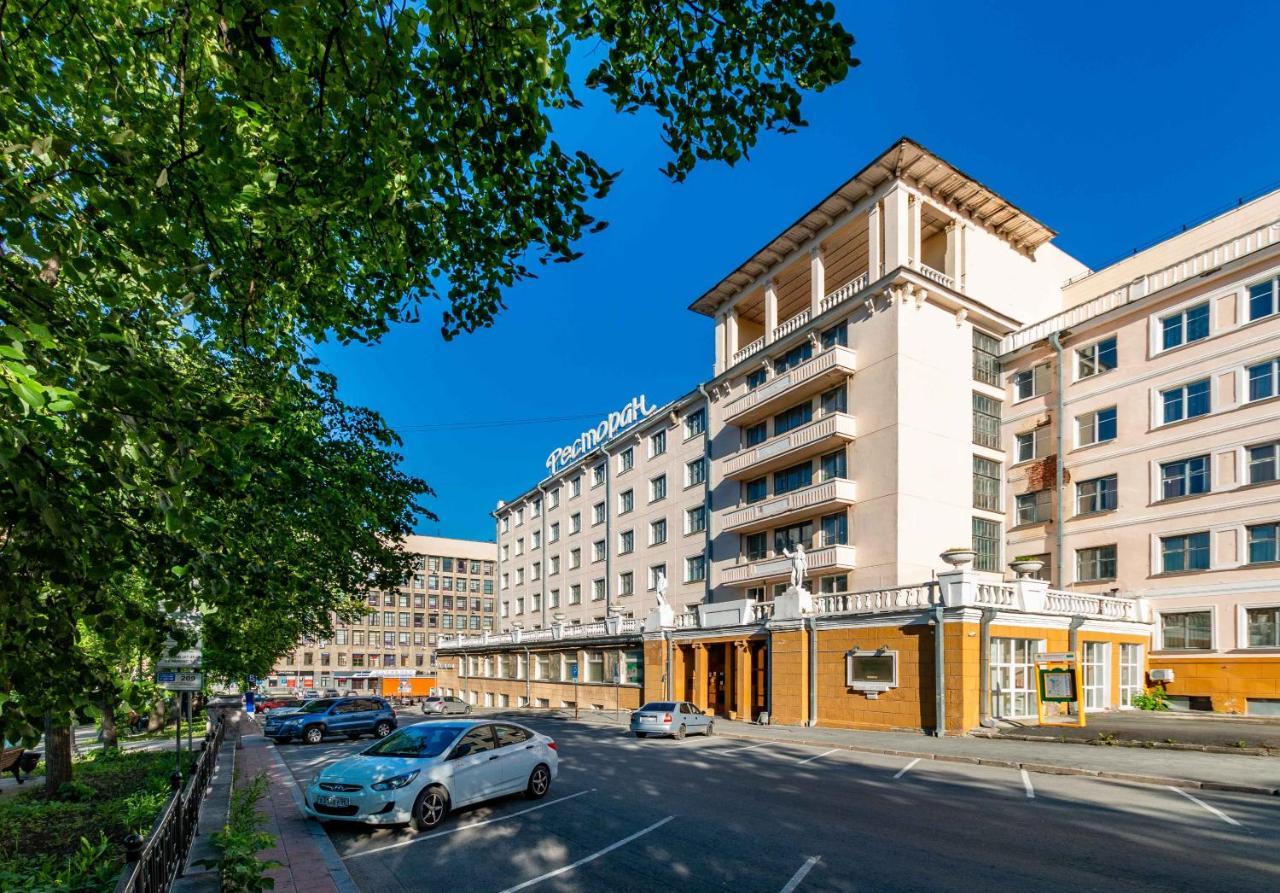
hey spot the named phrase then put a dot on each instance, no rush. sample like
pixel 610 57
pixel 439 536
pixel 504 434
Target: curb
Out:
pixel 1133 742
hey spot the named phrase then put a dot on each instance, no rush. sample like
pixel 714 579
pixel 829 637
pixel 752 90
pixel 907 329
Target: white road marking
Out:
pixel 818 757
pixel 739 749
pixel 1026 783
pixel 502 818
pixel 1213 809
pixel 800 873
pixel 596 855
pixel 907 768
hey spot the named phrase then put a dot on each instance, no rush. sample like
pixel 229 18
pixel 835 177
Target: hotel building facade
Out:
pixel 888 372
pixel 392 649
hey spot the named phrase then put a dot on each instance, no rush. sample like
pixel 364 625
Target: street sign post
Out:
pixel 180 680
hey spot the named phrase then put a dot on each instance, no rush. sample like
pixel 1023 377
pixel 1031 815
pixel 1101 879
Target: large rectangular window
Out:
pixel 1031 382
pixel 1264 462
pixel 792 478
pixel 756 434
pixel 1096 495
pixel 1185 326
pixel 833 466
pixel 836 335
pixel 1186 401
pixel 986 421
pixel 695 423
pixel 835 529
pixel 786 538
pixel 1095 358
pixel 1184 477
pixel 834 400
pixel 1033 444
pixel 1186 552
pixel 986 484
pixel 793 358
pixel 755 546
pixel 792 418
pixel 1095 564
pixel 695 568
pixel 695 472
pixel 1263 379
pixel 1186 630
pixel 1096 427
pixel 658 488
pixel 1264 299
pixel 1263 626
pixel 986 543
pixel 1032 508
pixel 986 358
pixel 1262 540
pixel 695 519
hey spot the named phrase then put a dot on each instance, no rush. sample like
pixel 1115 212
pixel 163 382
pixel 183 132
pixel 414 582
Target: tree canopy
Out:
pixel 192 192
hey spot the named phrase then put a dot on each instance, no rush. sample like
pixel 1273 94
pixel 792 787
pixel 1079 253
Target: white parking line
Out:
pixel 738 749
pixel 907 768
pixel 818 757
pixel 502 818
pixel 1026 783
pixel 1213 809
pixel 596 855
pixel 800 873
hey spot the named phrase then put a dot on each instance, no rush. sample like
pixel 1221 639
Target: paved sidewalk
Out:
pixel 1188 769
pixel 308 861
pixel 1177 731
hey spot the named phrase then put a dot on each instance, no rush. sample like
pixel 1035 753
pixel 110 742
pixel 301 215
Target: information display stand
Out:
pixel 1058 682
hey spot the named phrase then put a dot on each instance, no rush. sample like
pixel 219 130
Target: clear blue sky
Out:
pixel 1112 126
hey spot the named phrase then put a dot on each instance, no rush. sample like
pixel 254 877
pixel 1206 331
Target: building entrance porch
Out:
pixel 725 677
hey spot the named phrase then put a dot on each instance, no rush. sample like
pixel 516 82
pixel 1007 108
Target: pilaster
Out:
pixel 770 310
pixel 817 280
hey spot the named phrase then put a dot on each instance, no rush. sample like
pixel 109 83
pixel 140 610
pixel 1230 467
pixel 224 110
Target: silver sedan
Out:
pixel 675 718
pixel 441 704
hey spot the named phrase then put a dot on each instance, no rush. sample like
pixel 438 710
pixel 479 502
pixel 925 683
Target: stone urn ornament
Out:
pixel 959 557
pixel 1026 566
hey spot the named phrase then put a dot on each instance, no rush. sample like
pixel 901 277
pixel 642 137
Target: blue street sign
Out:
pixel 166 677
pixel 573 672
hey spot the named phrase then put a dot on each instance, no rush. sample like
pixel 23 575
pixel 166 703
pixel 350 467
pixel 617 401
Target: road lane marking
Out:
pixel 584 860
pixel 905 769
pixel 739 749
pixel 800 873
pixel 469 825
pixel 1026 783
pixel 1213 809
pixel 819 756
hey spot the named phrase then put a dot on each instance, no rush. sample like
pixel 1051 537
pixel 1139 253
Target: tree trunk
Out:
pixel 57 753
pixel 110 738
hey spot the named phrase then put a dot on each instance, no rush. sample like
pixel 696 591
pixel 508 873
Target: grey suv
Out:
pixel 314 720
pixel 441 704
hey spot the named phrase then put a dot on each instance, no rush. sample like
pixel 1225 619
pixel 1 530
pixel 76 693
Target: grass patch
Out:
pixel 73 842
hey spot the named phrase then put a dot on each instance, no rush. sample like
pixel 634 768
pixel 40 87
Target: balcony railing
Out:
pixel 937 276
pixel 1109 607
pixel 1189 267
pixel 555 633
pixel 792 446
pixel 747 351
pixel 844 293
pixel 773 511
pixel 876 601
pixel 790 325
pixel 792 384
pixel 822 559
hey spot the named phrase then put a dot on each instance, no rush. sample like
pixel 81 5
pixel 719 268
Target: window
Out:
pixel 756 490
pixel 792 358
pixel 597 474
pixel 1185 477
pixel 553 598
pixel 695 472
pixel 519 520
pixel 986 484
pixel 519 576
pixel 553 565
pixel 553 532
pixel 575 522
pixel 626 501
pixel 836 335
pixel 834 400
pixel 1032 508
pixel 597 550
pixel 1189 552
pixel 756 434
pixel 756 378
pixel 1263 465
pixel 535 540
pixel 1096 427
pixel 519 550
pixel 1097 495
pixel 1185 402
pixel 986 543
pixel 1262 543
pixel 986 358
pixel 834 583
pixel 506 523
pixel 793 478
pixel 1186 630
pixel 597 513
pixel 986 421
pixel 626 459
pixel 695 519
pixel 658 443
pixel 1096 358
pixel 575 486
pixel 1013 691
pixel 1033 444
pixel 1263 625
pixel 755 546
pixel 1184 326
pixel 626 583
pixel 1263 378
pixel 695 568
pixel 535 571
pixel 595 666
pixel 575 594
pixel 535 509
pixel 833 466
pixel 657 570
pixel 597 589
pixel 658 488
pixel 575 559
pixel 553 501
pixel 1031 382
pixel 695 423
pixel 835 529
pixel 1098 563
pixel 658 532
pixel 792 418
pixel 626 542
pixel 1263 298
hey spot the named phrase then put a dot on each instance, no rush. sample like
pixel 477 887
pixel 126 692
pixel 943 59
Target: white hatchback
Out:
pixel 419 773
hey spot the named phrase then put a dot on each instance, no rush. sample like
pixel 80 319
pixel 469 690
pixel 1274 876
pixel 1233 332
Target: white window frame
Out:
pixel 1243 314
pixel 1040 384
pixel 1089 684
pixel 1093 345
pixel 1156 323
pixel 1094 412
pixel 1158 402
pixel 1158 632
pixel 1139 686
pixel 1242 380
pixel 1242 625
pixel 1038 446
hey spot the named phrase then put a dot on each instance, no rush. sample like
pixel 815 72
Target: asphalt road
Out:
pixel 722 814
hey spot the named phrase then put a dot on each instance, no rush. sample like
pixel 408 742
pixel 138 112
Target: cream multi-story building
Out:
pixel 392 650
pixel 896 375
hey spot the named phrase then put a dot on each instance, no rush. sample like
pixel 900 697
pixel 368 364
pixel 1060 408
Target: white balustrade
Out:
pixel 807 497
pixel 747 351
pixel 843 293
pixel 937 276
pixel 997 595
pixel 791 325
pixel 875 601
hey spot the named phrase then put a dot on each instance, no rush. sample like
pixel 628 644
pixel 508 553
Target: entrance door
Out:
pixel 717 696
pixel 1013 694
pixel 1097 675
pixel 1130 673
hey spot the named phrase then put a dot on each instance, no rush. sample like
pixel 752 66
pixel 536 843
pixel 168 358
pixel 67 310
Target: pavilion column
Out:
pixel 721 341
pixel 897 222
pixel 953 251
pixel 699 693
pixel 731 345
pixel 817 280
pixel 770 310
pixel 913 247
pixel 873 244
pixel 742 680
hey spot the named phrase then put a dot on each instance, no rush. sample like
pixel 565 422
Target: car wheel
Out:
pixel 466 710
pixel 430 809
pixel 313 735
pixel 711 728
pixel 642 734
pixel 382 729
pixel 680 732
pixel 539 782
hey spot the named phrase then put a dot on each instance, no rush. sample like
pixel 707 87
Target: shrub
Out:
pixel 91 868
pixel 240 841
pixel 1151 699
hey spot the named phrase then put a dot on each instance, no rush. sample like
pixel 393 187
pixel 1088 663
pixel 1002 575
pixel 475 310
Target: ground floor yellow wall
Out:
pixel 1228 681
pixel 535 693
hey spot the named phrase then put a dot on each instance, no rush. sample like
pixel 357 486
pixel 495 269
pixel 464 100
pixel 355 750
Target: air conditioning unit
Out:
pixel 1161 675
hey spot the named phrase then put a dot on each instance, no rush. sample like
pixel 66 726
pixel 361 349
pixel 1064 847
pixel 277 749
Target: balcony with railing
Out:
pixel 804 380
pixel 779 510
pixel 811 439
pixel 827 559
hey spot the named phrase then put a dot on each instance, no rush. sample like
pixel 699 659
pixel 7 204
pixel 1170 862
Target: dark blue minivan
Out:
pixel 314 720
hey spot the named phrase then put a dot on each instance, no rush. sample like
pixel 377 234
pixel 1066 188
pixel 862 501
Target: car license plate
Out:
pixel 333 801
pixel 648 719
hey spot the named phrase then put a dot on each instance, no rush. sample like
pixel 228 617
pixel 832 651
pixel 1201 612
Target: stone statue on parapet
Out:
pixel 660 586
pixel 799 565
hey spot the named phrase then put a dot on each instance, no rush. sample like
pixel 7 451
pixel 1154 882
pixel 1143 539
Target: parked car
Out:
pixel 675 718
pixel 352 717
pixel 331 693
pixel 309 694
pixel 421 772
pixel 291 707
pixel 441 704
pixel 271 702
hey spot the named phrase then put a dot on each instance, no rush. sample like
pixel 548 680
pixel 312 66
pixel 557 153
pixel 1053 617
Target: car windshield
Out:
pixel 320 705
pixel 660 706
pixel 425 740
